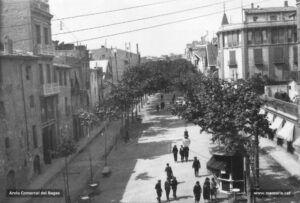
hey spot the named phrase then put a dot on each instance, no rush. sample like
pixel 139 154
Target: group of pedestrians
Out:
pixel 162 103
pixel 209 189
pixel 170 183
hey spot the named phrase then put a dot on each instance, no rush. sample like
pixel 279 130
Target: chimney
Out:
pixel 286 3
pixel 8 45
pixel 252 5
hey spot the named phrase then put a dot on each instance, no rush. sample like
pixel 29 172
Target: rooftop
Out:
pixel 270 10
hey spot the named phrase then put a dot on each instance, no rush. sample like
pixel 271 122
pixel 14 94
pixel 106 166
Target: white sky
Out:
pixel 152 42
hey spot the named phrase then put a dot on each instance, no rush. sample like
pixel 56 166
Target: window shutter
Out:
pixel 278 55
pixel 258 58
pixel 232 59
pixel 295 55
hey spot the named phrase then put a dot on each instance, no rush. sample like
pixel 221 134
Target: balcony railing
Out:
pixel 50 89
pixel 282 106
pixel 43 49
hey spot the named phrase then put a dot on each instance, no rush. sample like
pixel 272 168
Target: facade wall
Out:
pixel 21 115
pixel 230 72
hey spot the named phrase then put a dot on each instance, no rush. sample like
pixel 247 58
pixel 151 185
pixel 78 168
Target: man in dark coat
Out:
pixel 167 188
pixel 157 107
pixel 196 166
pixel 206 190
pixel 169 172
pixel 175 152
pixel 181 152
pixel 158 190
pixel 197 192
pixel 174 184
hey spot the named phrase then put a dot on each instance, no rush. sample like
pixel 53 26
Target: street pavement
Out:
pixel 137 165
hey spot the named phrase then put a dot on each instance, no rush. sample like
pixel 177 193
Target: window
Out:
pixel 255 18
pixel 126 62
pixel 264 36
pixel 41 74
pixel 2 109
pixel 1 75
pixel 54 74
pixel 274 36
pixel 28 72
pixel 225 40
pixel 31 101
pixel 38 34
pixel 295 50
pixel 278 55
pixel 281 36
pixel 103 56
pixel 232 59
pixel 66 106
pixel 60 78
pixel 34 137
pixel 249 37
pixel 290 35
pixel 46 35
pixel 273 18
pixel 258 57
pixel 48 73
pixel 65 78
pixel 7 143
pixel 257 37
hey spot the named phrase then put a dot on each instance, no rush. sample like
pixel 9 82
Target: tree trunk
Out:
pixel 248 180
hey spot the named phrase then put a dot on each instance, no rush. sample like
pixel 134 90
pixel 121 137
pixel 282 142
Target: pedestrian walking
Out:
pixel 206 190
pixel 161 97
pixel 175 152
pixel 169 171
pixel 167 189
pixel 157 108
pixel 181 152
pixel 158 190
pixel 213 189
pixel 162 105
pixel 186 143
pixel 174 184
pixel 197 192
pixel 196 165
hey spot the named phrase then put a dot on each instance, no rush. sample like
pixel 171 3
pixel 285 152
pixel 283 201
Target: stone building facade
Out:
pixel 264 43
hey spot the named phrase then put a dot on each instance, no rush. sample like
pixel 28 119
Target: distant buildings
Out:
pixel 203 55
pixel 264 43
pixel 119 59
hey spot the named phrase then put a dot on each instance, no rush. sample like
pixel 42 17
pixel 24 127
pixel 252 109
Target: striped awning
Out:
pixel 270 117
pixel 286 132
pixel 216 164
pixel 277 123
pixel 297 143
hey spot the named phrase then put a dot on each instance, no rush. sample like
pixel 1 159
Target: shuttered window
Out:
pixel 258 58
pixel 278 55
pixel 232 59
pixel 295 54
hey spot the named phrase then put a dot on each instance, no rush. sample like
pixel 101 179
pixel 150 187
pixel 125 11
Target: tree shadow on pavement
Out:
pixel 180 197
pixel 143 176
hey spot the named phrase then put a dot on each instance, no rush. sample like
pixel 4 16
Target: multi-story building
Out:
pixel 21 151
pixel 98 70
pixel 264 43
pixel 64 115
pixel 119 59
pixel 77 57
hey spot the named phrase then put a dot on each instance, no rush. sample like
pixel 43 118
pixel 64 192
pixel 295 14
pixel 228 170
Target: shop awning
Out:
pixel 286 132
pixel 277 123
pixel 216 164
pixel 297 143
pixel 270 117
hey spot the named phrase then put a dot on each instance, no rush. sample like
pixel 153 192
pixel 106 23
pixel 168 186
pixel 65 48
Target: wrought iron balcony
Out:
pixel 50 89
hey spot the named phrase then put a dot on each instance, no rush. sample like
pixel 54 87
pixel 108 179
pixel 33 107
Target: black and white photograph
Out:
pixel 149 101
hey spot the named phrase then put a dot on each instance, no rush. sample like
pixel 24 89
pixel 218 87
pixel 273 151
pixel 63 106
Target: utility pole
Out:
pixel 115 53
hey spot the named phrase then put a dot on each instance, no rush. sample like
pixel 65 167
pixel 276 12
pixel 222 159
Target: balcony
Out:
pixel 41 5
pixel 281 107
pixel 50 89
pixel 43 49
